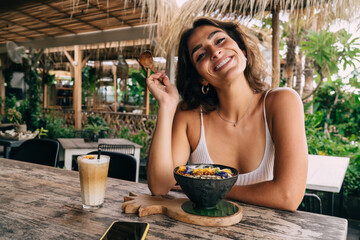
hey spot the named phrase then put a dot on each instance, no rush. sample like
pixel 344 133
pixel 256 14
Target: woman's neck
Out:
pixel 235 100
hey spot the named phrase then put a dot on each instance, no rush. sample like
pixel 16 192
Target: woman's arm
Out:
pixel 286 124
pixel 169 136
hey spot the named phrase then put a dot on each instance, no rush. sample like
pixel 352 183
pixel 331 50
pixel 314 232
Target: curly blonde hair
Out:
pixel 188 81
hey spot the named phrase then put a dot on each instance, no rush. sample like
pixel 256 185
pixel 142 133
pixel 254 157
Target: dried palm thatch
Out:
pixel 155 13
pixel 170 20
pixel 238 9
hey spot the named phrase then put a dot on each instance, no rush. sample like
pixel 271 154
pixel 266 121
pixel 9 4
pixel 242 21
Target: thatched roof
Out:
pixel 53 23
pixel 50 23
pixel 237 9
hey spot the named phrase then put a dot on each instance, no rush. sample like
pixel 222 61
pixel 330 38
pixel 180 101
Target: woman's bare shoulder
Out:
pixel 283 92
pixel 187 115
pixel 283 104
pixel 183 111
pixel 280 98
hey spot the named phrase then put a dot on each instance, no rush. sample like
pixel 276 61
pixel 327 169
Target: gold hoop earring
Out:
pixel 205 89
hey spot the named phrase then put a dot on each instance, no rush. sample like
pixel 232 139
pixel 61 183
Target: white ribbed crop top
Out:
pixel 264 172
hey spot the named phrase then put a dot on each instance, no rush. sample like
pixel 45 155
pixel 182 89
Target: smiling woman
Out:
pixel 241 44
pixel 257 131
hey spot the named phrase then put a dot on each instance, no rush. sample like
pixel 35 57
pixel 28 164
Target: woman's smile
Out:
pixel 222 63
pixel 215 55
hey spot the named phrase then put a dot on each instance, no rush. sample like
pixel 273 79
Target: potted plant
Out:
pixel 94 129
pixel 15 117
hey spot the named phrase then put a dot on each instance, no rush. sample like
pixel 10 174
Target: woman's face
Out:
pixel 215 55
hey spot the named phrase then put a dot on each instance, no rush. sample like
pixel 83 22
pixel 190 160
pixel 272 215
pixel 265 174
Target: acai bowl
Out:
pixel 205 184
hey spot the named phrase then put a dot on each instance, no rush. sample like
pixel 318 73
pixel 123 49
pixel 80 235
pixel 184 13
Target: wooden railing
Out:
pixel 134 122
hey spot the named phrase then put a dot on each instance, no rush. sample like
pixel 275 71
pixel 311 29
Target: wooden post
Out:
pixel 45 102
pixel 115 87
pixel 275 47
pixel 77 86
pixel 77 64
pixel 2 89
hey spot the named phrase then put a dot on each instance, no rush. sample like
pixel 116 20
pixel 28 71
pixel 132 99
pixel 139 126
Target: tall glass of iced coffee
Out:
pixel 93 175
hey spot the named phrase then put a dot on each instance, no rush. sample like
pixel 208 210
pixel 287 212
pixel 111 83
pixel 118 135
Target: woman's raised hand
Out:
pixel 163 90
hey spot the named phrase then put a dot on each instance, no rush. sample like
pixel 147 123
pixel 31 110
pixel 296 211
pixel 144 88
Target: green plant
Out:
pixel 95 128
pixel 352 177
pixel 335 145
pixel 136 89
pixel 57 127
pixel 24 109
pixel 14 116
pixel 10 101
pixel 8 75
pixel 42 132
pixel 94 119
pixel 1 101
pixel 89 81
pixel 48 79
pixel 32 116
pixel 327 49
pixel 140 137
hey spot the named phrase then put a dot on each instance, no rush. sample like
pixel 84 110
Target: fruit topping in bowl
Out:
pixel 206 172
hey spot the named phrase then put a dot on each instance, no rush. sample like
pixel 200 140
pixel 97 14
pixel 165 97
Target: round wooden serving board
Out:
pixel 145 204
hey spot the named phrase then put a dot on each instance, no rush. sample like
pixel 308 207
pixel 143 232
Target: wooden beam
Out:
pixel 114 35
pixel 109 13
pixel 73 17
pixel 83 63
pixel 46 22
pixel 77 87
pixel 12 32
pixel 71 60
pixel 275 47
pixel 30 29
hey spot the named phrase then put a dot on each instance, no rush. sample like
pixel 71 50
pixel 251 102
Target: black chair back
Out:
pixel 122 166
pixel 122 148
pixel 311 203
pixel 41 151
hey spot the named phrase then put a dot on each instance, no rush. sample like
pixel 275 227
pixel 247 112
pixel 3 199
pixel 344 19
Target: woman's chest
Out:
pixel 241 147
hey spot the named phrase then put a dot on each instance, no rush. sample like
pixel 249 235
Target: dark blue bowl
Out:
pixel 206 193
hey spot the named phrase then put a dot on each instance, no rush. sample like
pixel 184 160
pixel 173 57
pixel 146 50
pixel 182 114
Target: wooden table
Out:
pixel 8 144
pixel 41 202
pixel 77 146
pixel 326 173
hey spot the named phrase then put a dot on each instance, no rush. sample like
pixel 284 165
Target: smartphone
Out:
pixel 119 230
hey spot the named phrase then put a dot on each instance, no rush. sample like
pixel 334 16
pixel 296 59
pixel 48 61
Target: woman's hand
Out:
pixel 160 163
pixel 163 90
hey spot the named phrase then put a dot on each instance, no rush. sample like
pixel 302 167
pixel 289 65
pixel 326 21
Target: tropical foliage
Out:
pixel 329 50
pixel 57 127
pixel 333 124
pixel 89 81
pixel 135 93
pixel 140 137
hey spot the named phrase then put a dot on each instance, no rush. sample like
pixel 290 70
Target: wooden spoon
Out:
pixel 146 59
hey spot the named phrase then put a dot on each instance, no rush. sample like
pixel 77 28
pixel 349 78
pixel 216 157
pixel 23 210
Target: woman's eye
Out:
pixel 220 40
pixel 201 55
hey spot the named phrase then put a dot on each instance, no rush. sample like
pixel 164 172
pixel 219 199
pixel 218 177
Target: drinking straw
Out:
pixel 99 153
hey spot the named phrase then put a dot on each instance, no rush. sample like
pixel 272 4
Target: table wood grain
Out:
pixel 41 202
